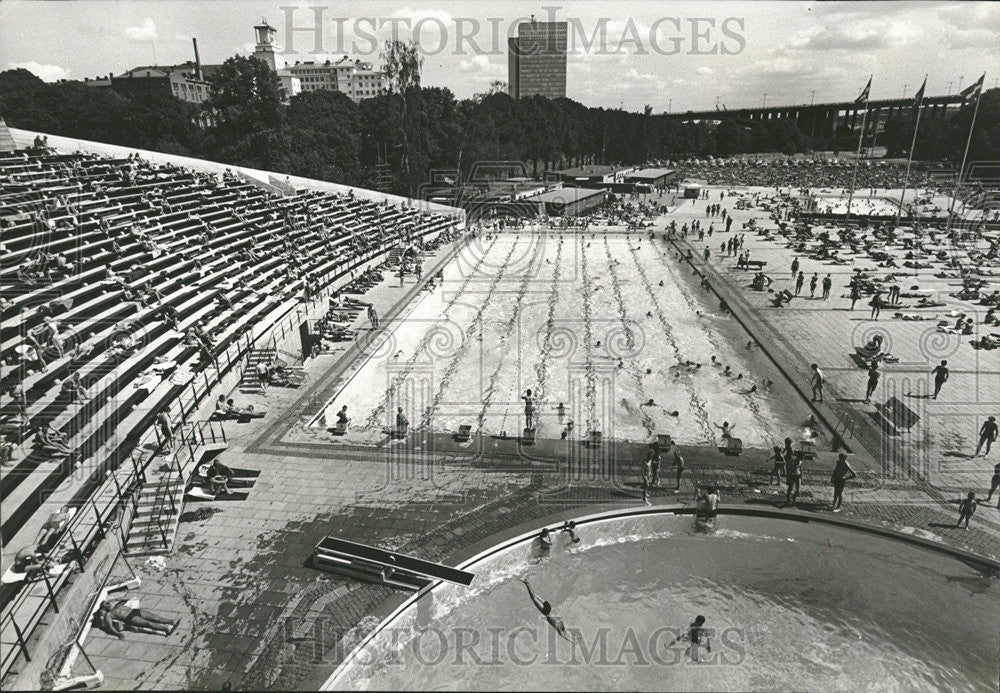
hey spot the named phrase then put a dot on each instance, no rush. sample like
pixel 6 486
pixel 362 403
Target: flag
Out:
pixel 970 94
pixel 918 100
pixel 864 95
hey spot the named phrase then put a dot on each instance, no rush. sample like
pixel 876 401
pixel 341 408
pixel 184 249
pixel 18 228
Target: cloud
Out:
pixel 145 32
pixel 48 73
pixel 705 70
pixel 859 36
pixel 477 63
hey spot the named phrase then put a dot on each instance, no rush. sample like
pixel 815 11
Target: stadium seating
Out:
pixel 119 279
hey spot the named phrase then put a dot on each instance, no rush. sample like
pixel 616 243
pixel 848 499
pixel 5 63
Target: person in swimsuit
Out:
pixel 994 483
pixel 30 561
pixel 779 465
pixel 545 540
pixel 678 468
pixel 569 527
pixel 546 610
pixel 987 436
pixel 529 410
pixel 793 470
pixel 695 635
pixel 842 472
pixel 709 507
pixel 118 615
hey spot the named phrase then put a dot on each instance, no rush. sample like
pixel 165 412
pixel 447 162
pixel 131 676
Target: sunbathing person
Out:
pixel 29 561
pixel 117 616
pixel 239 412
pixel 54 440
pixel 54 525
pixel 221 408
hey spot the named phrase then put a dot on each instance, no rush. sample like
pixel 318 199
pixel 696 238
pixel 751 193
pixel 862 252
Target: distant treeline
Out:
pixel 413 130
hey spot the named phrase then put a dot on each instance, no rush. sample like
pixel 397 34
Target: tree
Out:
pixel 401 64
pixel 246 97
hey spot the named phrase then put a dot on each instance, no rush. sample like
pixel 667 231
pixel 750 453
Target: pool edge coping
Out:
pixel 397 603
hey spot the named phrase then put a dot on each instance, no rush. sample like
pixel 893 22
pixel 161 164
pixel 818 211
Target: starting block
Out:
pixel 340 429
pixel 384 567
pixel 528 437
pixel 595 438
pixel 808 449
pixel 397 433
pixel 664 442
pixel 464 433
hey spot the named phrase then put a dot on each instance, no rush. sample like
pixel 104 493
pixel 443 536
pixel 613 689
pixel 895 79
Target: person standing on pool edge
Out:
pixel 842 472
pixel 987 435
pixel 817 383
pixel 873 376
pixel 941 375
pixel 793 477
pixel 679 467
pixel 966 509
pixel 529 410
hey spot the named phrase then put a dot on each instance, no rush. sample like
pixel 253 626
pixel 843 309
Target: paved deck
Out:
pixel 255 615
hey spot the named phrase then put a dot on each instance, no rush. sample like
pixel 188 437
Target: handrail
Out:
pixel 82 534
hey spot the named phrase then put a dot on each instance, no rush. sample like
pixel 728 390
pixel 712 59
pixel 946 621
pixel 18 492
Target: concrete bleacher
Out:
pixel 135 276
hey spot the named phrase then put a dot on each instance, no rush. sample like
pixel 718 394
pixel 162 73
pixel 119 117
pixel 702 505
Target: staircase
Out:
pixel 395 256
pixel 250 382
pixel 6 139
pixel 161 501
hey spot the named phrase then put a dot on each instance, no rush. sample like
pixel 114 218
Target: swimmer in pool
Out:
pixel 696 632
pixel 546 609
pixel 570 528
pixel 545 540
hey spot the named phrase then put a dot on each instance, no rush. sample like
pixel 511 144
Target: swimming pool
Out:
pixel 791 606
pixel 608 325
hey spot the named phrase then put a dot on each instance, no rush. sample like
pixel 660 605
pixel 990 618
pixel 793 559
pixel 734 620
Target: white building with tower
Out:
pixel 354 78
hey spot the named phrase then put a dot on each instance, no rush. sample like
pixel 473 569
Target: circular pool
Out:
pixel 788 606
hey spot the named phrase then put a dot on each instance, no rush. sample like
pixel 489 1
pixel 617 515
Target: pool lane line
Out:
pixel 542 366
pixel 733 298
pixel 476 322
pixel 773 436
pixel 634 370
pixel 372 420
pixel 299 408
pixel 590 390
pixel 696 401
pixel 504 333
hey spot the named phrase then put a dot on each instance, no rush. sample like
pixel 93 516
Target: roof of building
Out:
pixel 566 195
pixel 584 171
pixel 147 71
pixel 651 173
pixel 162 71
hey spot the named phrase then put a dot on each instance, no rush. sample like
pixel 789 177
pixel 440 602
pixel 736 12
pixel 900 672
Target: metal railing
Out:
pixel 192 436
pixel 120 491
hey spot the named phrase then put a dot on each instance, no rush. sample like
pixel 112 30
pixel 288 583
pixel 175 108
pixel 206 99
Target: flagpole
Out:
pixel 857 156
pixel 961 170
pixel 909 160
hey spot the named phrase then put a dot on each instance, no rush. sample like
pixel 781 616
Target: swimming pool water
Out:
pixel 792 606
pixel 581 319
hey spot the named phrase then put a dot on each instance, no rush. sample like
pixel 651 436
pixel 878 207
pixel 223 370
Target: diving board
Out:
pixel 377 565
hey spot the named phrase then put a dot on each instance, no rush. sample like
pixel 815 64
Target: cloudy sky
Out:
pixel 671 55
